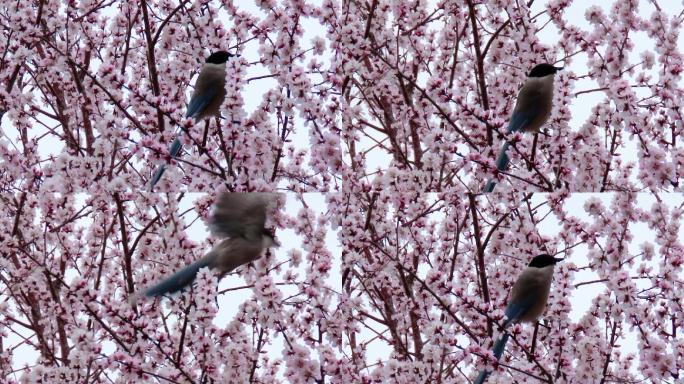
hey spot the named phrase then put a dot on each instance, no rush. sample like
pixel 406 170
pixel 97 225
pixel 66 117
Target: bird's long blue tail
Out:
pixel 157 176
pixel 501 164
pixel 173 151
pixel 178 280
pixel 498 350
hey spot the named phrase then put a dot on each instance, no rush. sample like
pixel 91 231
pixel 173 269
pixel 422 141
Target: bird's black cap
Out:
pixel 545 69
pixel 219 57
pixel 543 260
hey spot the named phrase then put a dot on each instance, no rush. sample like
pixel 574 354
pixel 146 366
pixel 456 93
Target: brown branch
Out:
pixel 127 256
pixel 152 62
pixel 481 270
pixel 479 57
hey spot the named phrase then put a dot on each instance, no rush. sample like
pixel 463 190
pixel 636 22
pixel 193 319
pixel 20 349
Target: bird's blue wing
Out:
pixel 519 120
pixel 199 102
pixel 178 280
pixel 518 308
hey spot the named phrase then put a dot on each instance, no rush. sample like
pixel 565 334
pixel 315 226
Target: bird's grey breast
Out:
pixel 538 275
pixel 545 86
pixel 534 102
pixel 234 252
pixel 210 75
pixel 536 92
pixel 533 284
pixel 532 281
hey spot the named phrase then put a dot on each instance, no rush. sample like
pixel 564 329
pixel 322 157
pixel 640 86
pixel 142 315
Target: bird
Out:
pixel 205 102
pixel 527 300
pixel 237 218
pixel 532 109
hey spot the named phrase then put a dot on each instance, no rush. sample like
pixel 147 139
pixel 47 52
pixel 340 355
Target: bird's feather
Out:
pixel 174 149
pixel 501 164
pixel 234 252
pixel 518 121
pixel 180 279
pixel 209 91
pixel 497 350
pixel 517 308
pixel 200 101
pixel 239 214
pixel 157 176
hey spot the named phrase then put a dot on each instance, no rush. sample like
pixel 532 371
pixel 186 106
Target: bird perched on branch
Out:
pixel 528 300
pixel 238 218
pixel 531 111
pixel 205 101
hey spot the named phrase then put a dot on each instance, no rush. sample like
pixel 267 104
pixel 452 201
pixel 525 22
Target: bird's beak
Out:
pixel 559 68
pixel 558 259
